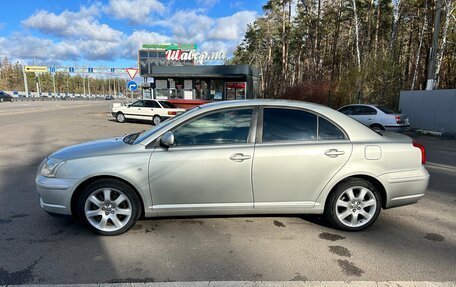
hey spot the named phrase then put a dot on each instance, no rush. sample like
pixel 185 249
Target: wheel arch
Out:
pixel 377 184
pixel 77 192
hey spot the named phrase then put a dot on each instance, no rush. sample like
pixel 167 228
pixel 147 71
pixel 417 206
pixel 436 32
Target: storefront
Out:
pixel 201 83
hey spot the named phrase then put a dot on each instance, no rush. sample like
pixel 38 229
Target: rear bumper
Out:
pixel 403 128
pixel 403 188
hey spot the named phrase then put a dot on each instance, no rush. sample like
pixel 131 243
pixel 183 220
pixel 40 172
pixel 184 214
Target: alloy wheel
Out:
pixel 356 206
pixel 108 209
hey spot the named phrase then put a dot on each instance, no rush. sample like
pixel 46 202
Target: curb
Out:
pixel 261 284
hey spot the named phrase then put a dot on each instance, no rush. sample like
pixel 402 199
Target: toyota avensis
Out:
pixel 238 157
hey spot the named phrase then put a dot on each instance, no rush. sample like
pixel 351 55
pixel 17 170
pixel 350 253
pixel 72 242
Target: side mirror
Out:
pixel 167 139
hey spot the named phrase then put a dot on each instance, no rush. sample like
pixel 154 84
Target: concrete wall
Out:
pixel 430 110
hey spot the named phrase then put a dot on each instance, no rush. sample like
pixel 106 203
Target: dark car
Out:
pixel 4 97
pixel 109 98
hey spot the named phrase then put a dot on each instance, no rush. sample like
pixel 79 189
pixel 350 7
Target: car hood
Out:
pixel 94 148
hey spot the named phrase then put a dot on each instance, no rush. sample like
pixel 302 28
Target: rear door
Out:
pixel 152 108
pixel 296 154
pixel 364 114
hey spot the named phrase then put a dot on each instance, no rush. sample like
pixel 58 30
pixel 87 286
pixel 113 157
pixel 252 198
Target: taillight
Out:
pixel 423 151
pixel 398 119
pixel 172 113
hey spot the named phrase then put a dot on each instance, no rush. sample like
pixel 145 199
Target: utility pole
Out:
pixel 88 85
pixel 83 84
pixel 435 44
pixel 68 87
pixel 53 83
pixel 37 78
pixel 25 82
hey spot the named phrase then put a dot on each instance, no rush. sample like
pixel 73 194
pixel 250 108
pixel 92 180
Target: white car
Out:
pixel 149 110
pixel 376 117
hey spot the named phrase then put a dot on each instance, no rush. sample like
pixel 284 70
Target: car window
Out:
pixel 167 105
pixel 151 104
pixel 288 125
pixel 385 110
pixel 328 131
pixel 347 110
pixel 138 104
pixel 364 110
pixel 226 127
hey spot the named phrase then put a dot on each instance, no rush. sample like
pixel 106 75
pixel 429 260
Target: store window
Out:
pixel 216 90
pixel 235 91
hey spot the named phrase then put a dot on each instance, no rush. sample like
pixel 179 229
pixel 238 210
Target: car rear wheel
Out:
pixel 120 117
pixel 377 127
pixel 157 120
pixel 354 205
pixel 108 207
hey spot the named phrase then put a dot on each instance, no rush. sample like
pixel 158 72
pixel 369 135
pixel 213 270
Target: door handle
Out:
pixel 239 157
pixel 334 153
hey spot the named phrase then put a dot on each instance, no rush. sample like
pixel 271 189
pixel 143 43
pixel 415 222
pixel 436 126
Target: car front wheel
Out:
pixel 354 205
pixel 108 207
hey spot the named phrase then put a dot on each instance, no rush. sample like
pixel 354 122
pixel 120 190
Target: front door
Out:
pixel 208 168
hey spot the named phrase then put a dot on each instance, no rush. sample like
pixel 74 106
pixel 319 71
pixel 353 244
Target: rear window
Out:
pixel 167 105
pixel 288 125
pixel 385 110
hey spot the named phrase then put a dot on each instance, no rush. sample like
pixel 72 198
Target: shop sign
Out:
pixel 235 85
pixel 193 55
pixel 170 46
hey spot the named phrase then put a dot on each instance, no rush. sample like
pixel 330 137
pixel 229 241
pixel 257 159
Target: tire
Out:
pixel 347 209
pixel 377 127
pixel 157 120
pixel 108 207
pixel 120 117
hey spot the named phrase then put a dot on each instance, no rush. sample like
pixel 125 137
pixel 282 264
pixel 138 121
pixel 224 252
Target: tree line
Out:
pixel 344 51
pixel 12 79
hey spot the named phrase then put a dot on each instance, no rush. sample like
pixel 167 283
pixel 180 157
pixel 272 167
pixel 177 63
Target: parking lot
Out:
pixel 416 242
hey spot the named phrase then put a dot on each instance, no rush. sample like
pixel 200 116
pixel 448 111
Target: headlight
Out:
pixel 51 166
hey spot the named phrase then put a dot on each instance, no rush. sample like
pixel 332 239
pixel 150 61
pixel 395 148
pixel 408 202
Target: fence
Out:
pixel 430 110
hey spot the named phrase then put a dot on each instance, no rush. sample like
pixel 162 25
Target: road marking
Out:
pixel 440 166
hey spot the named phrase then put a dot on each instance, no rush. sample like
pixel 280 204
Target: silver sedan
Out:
pixel 238 157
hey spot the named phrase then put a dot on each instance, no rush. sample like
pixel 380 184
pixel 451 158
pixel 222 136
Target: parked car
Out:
pixel 378 118
pixel 149 110
pixel 237 157
pixel 5 97
pixel 109 98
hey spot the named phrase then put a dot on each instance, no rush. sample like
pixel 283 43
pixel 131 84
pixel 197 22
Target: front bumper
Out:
pixel 55 193
pixel 403 188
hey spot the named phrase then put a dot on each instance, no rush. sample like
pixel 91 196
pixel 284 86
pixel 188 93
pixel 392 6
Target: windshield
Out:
pixel 164 124
pixel 167 105
pixel 385 110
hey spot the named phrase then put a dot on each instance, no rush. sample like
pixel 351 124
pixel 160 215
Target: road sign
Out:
pixel 71 69
pixel 113 70
pixel 131 72
pixel 90 70
pixel 52 69
pixel 36 69
pixel 132 86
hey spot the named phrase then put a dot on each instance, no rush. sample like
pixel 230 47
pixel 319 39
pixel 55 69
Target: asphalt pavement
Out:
pixel 416 242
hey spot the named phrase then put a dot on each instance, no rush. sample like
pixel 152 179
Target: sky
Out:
pixel 107 33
